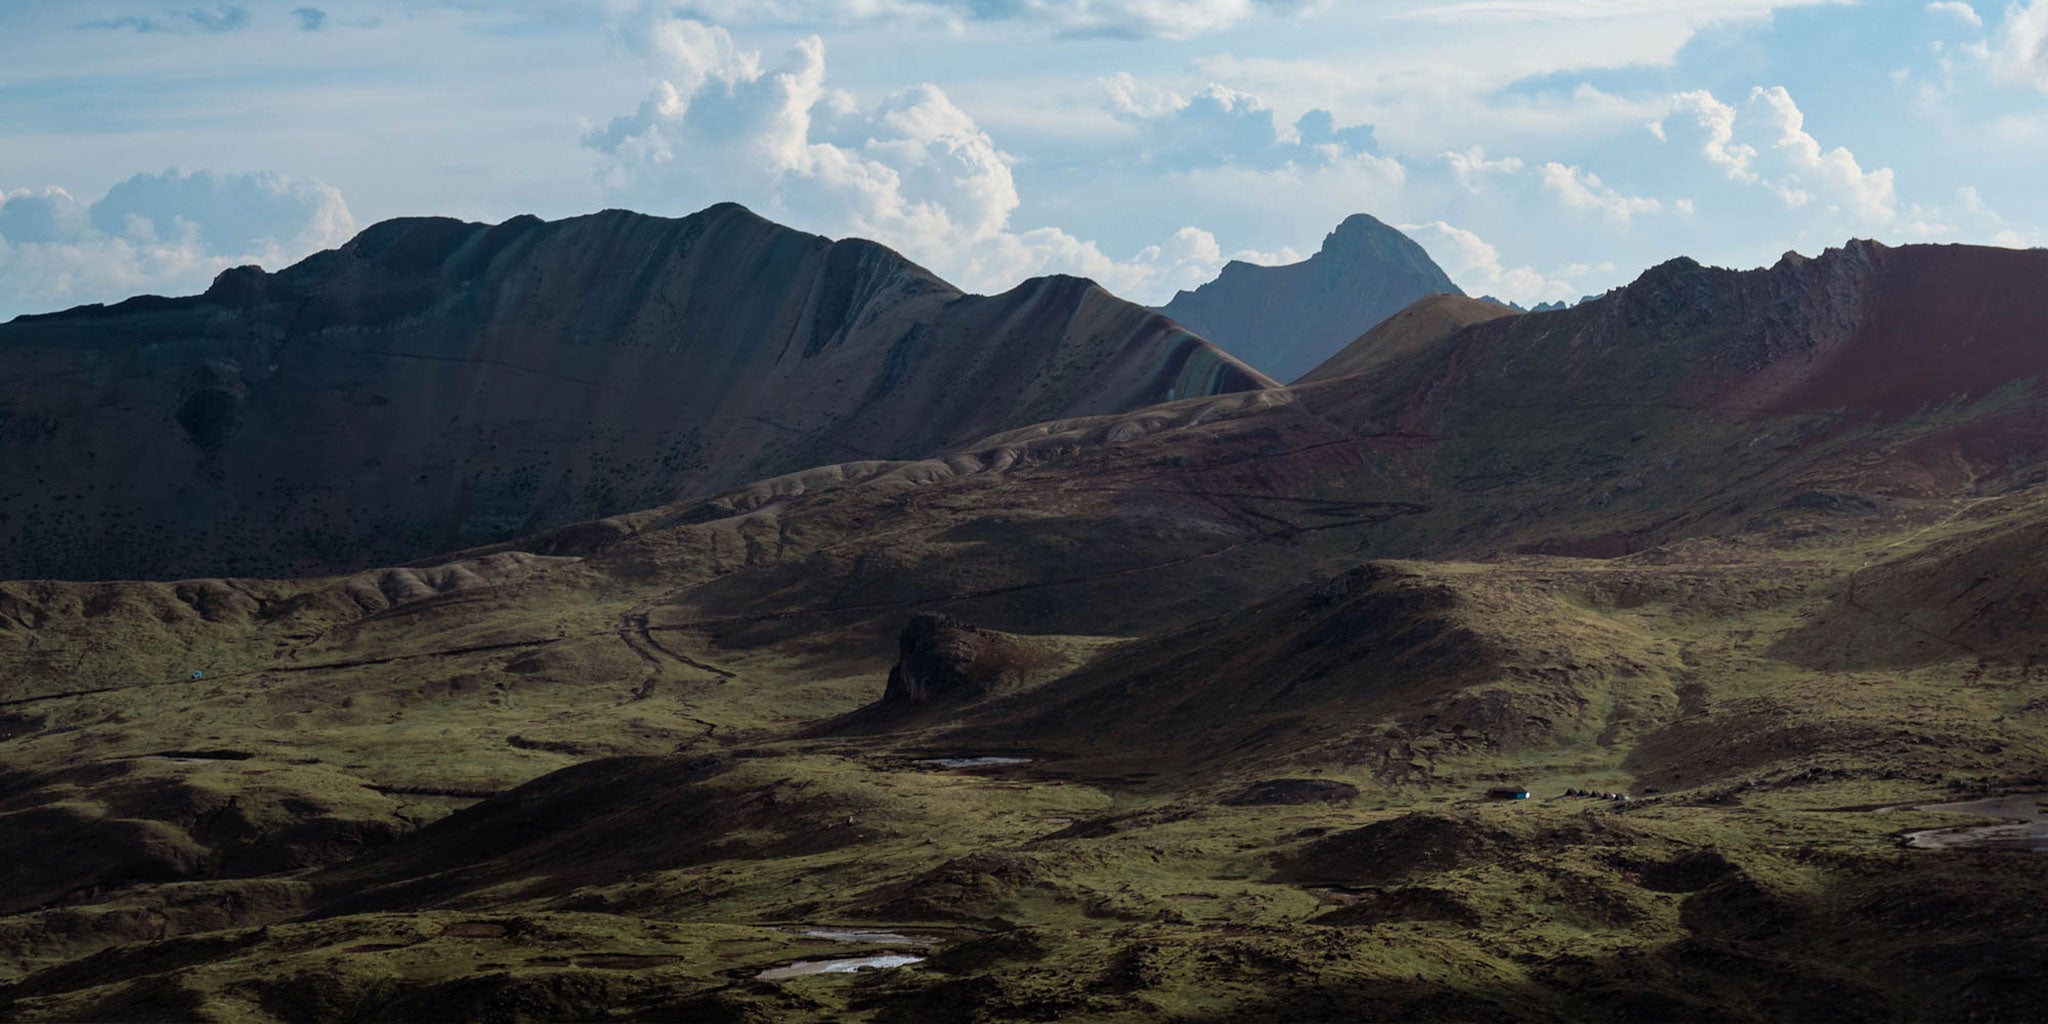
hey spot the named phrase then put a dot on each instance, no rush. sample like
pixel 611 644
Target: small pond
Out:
pixel 845 965
pixel 2025 826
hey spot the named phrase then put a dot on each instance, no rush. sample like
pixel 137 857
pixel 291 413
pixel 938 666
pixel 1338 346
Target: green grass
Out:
pixel 1106 880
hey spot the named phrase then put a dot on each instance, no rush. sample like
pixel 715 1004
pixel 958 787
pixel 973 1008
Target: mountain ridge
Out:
pixel 434 383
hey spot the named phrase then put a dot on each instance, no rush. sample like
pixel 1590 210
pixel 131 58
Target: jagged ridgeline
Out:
pixel 436 384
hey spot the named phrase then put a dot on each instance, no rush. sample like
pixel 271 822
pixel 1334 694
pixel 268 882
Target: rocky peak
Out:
pixel 239 286
pixel 1285 320
pixel 1361 234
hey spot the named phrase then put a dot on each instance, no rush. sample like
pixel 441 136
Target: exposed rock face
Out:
pixel 434 385
pixel 1865 328
pixel 940 657
pixel 1285 320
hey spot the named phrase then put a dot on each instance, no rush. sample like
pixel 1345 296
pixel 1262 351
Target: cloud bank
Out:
pixel 168 232
pixel 913 170
pixel 2019 52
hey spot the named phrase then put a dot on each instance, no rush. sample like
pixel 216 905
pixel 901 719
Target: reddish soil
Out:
pixel 1944 323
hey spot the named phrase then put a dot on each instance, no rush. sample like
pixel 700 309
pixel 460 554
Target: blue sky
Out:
pixel 1539 149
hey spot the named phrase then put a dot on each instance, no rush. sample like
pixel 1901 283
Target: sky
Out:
pixel 1538 149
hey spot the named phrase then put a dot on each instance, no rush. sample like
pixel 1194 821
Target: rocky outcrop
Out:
pixel 1285 320
pixel 435 385
pixel 942 658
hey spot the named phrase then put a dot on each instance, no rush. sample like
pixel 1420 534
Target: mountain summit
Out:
pixel 435 384
pixel 1286 320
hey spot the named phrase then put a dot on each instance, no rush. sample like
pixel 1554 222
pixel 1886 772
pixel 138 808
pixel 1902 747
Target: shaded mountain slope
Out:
pixel 1368 665
pixel 1541 668
pixel 1612 427
pixel 1975 585
pixel 1286 320
pixel 435 384
pixel 1423 323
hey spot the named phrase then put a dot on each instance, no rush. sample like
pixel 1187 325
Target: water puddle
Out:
pixel 847 965
pixel 872 937
pixel 2025 826
pixel 971 762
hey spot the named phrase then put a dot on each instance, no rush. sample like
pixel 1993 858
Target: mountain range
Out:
pixel 435 384
pixel 1181 709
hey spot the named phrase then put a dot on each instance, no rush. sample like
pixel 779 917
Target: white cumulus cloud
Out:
pixel 1767 145
pixel 1470 166
pixel 913 171
pixel 1829 187
pixel 168 232
pixel 1583 190
pixel 1476 265
pixel 2019 51
pixel 1957 9
pixel 1717 119
pixel 1129 97
pixel 1835 174
pixel 1966 217
pixel 1221 126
